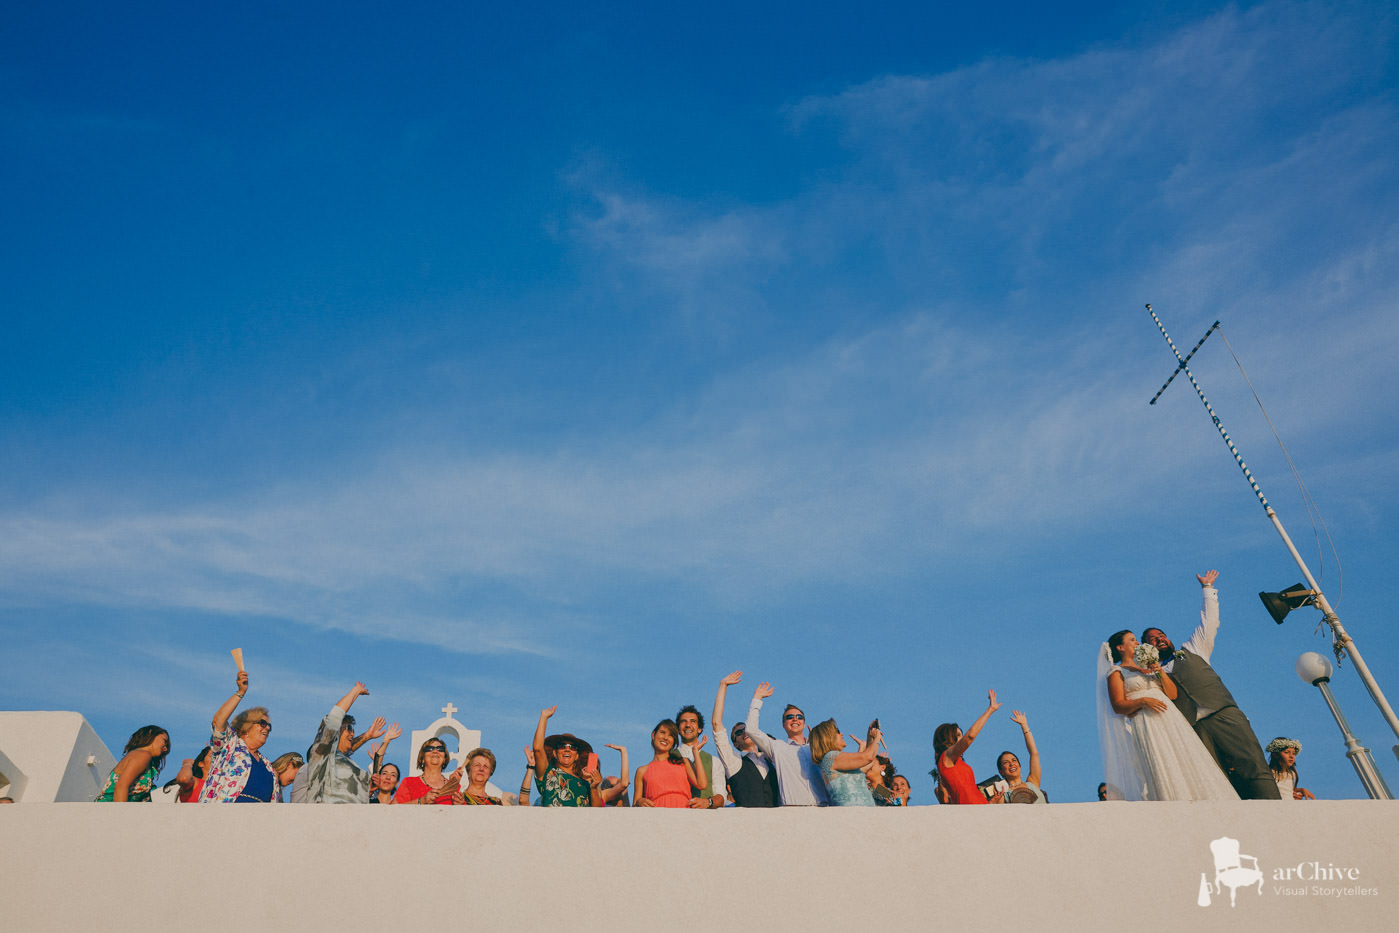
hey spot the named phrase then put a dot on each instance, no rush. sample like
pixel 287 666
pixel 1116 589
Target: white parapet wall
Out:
pixel 1329 865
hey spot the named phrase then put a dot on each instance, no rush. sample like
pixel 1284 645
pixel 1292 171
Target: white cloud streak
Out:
pixel 872 452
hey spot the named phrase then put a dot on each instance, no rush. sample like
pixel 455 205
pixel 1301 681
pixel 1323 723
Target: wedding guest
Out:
pixel 134 776
pixel 286 768
pixel 668 778
pixel 614 789
pixel 879 774
pixel 376 758
pixel 559 774
pixel 1282 761
pixel 902 789
pixel 799 779
pixel 523 797
pixel 1021 790
pixel 385 784
pixel 954 775
pixel 751 779
pixel 190 777
pixel 431 786
pixel 842 771
pixel 478 766
pixel 691 723
pixel 236 771
pixel 610 785
pixel 332 775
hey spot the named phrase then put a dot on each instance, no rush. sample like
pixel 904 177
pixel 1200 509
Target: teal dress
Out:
pixel 561 789
pixel 140 791
pixel 846 788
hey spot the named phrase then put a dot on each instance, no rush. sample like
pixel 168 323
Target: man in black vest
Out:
pixel 1207 704
pixel 752 778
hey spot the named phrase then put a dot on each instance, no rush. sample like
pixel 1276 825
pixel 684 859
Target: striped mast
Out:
pixel 1341 642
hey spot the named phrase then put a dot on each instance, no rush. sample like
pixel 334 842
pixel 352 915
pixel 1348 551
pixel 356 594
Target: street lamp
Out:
pixel 1315 669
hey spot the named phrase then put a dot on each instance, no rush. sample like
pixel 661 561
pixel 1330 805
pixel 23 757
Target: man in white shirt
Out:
pixel 691 724
pixel 799 780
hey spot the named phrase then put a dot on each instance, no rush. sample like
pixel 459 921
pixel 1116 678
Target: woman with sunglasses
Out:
pixel 559 774
pixel 431 786
pixel 237 772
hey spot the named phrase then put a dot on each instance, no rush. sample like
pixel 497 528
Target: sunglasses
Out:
pixel 566 747
pixel 264 723
pixel 435 748
pixel 794 716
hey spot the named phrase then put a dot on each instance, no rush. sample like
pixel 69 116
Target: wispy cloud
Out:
pixel 997 391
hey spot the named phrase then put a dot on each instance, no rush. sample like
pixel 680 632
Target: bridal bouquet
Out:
pixel 1145 656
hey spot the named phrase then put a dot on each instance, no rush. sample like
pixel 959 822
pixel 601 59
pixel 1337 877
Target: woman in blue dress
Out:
pixel 844 772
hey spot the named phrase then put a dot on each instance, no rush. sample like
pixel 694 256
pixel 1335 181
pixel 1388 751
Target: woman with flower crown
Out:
pixel 1149 750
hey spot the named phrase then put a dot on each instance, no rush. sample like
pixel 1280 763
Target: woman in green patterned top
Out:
pixel 134 776
pixel 559 774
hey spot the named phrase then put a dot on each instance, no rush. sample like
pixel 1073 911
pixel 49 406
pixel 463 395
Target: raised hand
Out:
pixel 730 680
pixel 700 744
pixel 545 714
pixel 242 682
pixel 1018 717
pixel 529 756
pixel 1208 577
pixel 377 729
pixel 391 733
pixel 763 691
pixel 991 700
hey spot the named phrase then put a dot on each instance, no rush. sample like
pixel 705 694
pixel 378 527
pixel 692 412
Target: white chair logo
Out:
pixel 1232 870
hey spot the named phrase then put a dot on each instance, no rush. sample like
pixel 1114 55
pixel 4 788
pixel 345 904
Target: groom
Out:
pixel 1207 704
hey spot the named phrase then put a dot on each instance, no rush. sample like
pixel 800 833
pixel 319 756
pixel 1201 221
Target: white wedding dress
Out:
pixel 1154 755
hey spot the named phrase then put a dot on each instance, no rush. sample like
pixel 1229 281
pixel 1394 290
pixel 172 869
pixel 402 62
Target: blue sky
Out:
pixel 583 354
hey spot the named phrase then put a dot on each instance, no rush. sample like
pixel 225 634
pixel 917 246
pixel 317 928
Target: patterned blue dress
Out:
pixel 846 788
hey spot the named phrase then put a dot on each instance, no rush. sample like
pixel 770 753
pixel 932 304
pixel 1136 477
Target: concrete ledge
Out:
pixel 1080 866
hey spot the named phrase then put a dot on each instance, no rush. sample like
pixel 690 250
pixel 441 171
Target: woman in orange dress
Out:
pixel 666 780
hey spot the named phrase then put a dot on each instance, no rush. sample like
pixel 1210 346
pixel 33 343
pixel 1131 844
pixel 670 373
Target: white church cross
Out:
pixel 449 709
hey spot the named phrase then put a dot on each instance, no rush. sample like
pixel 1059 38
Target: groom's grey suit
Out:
pixel 1209 706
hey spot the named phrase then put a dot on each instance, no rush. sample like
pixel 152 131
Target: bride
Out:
pixel 1149 751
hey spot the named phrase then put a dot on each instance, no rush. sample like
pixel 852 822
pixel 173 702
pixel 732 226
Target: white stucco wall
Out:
pixel 53 750
pixel 1109 866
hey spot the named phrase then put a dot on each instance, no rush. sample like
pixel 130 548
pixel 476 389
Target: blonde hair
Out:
pixel 480 753
pixel 282 762
pixel 244 720
pixel 825 738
